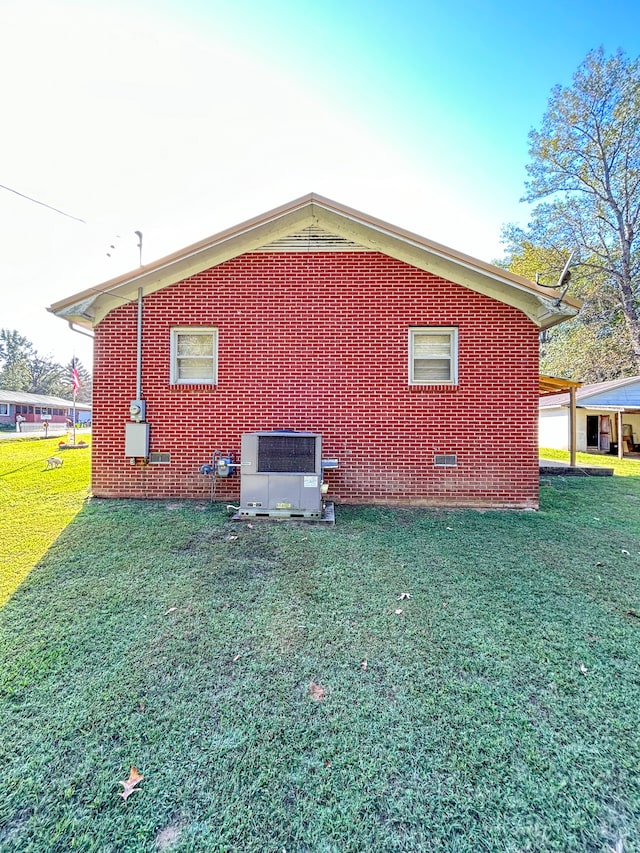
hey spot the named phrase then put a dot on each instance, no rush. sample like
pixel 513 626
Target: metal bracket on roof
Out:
pixel 565 277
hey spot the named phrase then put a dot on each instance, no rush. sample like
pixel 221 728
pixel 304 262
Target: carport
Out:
pixel 555 385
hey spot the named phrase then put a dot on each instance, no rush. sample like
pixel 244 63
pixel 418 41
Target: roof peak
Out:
pixel 544 307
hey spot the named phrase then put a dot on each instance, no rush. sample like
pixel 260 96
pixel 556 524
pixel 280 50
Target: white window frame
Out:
pixel 194 330
pixel 452 331
pixel 4 408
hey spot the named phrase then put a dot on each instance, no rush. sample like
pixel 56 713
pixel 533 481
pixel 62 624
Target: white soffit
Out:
pixel 325 226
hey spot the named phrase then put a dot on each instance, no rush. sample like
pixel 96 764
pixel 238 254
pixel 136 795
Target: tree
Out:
pixel 46 376
pixel 24 369
pixel 15 354
pixel 593 347
pixel 585 161
pixel 587 352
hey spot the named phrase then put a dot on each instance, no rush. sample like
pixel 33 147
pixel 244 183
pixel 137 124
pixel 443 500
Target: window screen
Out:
pixel 432 356
pixel 194 356
pixel 286 454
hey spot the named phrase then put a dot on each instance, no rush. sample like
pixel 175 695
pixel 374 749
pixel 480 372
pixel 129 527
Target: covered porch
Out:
pixel 548 385
pixel 603 418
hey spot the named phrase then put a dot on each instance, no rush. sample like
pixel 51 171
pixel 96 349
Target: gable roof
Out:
pixel 23 398
pixel 316 223
pixel 619 393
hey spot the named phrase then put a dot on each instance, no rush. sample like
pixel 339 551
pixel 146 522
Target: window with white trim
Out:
pixel 194 355
pixel 433 355
pixel 4 408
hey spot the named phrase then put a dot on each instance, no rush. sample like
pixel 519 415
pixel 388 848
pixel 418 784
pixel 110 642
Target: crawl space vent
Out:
pixel 160 458
pixel 445 460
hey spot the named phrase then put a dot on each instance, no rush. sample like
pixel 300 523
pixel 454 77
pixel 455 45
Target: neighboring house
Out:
pixel 604 412
pixel 417 364
pixel 38 408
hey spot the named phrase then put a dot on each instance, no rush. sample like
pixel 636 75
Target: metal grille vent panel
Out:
pixel 445 460
pixel 312 239
pixel 286 454
pixel 160 458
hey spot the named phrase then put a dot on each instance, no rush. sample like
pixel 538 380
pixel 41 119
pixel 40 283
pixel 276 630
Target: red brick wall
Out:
pixel 319 342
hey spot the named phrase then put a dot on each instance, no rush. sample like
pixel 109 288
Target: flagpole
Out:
pixel 75 391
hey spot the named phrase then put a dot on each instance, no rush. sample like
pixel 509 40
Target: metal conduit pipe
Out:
pixel 139 353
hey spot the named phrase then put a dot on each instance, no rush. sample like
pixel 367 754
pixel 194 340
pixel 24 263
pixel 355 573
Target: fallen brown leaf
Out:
pixel 135 777
pixel 318 693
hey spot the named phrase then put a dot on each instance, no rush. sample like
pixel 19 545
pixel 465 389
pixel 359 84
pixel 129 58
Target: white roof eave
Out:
pixel 543 310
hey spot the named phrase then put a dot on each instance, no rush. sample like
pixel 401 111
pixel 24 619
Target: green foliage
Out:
pixel 23 369
pixel 15 353
pixel 498 711
pixel 587 352
pixel 595 346
pixel 531 261
pixel 585 161
pixel 589 141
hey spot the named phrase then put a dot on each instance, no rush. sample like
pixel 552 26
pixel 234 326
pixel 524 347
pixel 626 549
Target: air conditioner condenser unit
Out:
pixel 281 475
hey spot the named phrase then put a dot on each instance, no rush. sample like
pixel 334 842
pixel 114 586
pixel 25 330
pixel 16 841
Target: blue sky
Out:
pixel 180 119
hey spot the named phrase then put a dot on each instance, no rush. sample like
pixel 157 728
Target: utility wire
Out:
pixel 43 203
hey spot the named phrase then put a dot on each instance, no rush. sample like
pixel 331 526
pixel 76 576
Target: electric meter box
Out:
pixel 136 444
pixel 138 410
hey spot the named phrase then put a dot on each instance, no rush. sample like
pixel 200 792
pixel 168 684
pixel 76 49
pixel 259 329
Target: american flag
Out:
pixel 75 380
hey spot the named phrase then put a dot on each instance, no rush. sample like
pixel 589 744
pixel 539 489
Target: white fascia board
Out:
pixel 485 279
pixel 203 258
pixel 541 310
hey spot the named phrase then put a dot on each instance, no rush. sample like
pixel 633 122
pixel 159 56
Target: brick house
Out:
pixel 34 410
pixel 417 364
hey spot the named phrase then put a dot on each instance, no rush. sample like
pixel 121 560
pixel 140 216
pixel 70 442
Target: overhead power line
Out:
pixel 43 203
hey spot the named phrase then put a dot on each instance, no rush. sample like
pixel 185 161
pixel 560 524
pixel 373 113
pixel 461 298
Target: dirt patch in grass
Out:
pixel 169 836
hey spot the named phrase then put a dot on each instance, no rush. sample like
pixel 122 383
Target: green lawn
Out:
pixel 36 504
pixel 627 467
pixel 499 711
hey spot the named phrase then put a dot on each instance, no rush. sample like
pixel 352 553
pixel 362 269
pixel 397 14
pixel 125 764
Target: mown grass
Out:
pixel 36 504
pixel 626 467
pixel 499 711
